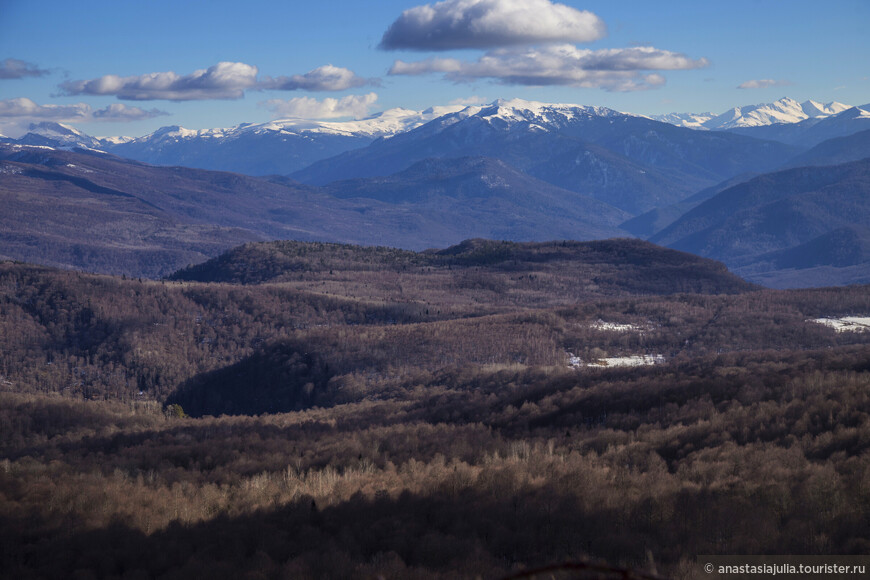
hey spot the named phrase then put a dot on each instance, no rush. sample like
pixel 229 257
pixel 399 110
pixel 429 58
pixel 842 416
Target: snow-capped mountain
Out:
pixel 57 135
pixel 628 161
pixel 785 110
pixel 275 147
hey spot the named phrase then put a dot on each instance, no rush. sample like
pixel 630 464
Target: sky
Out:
pixel 118 67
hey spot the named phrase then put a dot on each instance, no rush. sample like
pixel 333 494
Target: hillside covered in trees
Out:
pixel 306 410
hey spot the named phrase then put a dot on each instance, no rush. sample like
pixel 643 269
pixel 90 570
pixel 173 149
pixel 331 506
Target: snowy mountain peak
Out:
pixel 687 120
pixel 171 132
pixel 51 133
pixel 531 114
pixel 50 128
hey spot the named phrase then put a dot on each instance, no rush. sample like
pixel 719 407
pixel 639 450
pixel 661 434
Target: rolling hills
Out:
pixel 93 211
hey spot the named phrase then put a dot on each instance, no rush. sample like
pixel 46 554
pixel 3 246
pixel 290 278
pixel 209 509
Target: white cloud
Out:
pixel 454 24
pixel 225 80
pixel 24 108
pixel 17 114
pixel 309 108
pixel 323 78
pixel 12 68
pixel 473 100
pixel 763 84
pixel 609 69
pixel 118 112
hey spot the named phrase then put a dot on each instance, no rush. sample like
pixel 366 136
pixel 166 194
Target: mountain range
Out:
pixel 286 146
pixel 628 161
pixel 516 170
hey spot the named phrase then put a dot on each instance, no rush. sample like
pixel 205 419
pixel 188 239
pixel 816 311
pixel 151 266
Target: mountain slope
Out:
pixel 781 211
pixel 474 194
pixel 835 151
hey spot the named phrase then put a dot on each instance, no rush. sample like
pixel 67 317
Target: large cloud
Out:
pixel 454 24
pixel 323 78
pixel 624 69
pixel 225 80
pixel 309 108
pixel 118 112
pixel 24 110
pixel 12 68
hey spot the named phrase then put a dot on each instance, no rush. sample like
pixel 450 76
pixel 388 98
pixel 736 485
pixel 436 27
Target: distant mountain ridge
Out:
pixel 802 124
pixel 785 110
pixel 287 146
pixel 274 147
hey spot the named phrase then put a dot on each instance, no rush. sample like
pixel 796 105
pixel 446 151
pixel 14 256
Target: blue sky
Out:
pixel 86 62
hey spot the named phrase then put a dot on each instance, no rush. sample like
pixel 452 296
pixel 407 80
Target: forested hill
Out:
pixel 563 269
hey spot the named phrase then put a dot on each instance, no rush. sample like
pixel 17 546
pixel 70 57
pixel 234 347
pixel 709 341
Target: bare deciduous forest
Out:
pixel 296 410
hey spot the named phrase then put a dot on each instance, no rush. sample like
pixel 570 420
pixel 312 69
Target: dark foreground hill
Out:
pixel 410 432
pixel 517 272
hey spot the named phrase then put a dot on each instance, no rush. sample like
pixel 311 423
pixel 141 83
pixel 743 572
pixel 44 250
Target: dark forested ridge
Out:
pixel 571 270
pixel 365 411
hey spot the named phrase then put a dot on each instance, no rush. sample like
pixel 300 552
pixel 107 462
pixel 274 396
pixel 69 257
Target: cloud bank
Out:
pixel 23 109
pixel 225 80
pixel 622 69
pixel 455 24
pixel 309 108
pixel 12 68
pixel 763 84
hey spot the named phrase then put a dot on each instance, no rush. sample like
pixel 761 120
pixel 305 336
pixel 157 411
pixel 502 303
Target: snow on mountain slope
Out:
pixel 688 120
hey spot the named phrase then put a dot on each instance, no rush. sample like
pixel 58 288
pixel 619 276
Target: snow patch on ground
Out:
pixel 636 360
pixel 846 323
pixel 81 169
pixel 602 325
